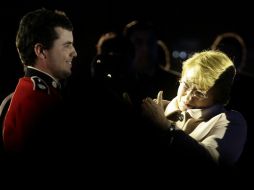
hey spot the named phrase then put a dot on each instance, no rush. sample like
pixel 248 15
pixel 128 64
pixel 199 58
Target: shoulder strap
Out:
pixel 3 109
pixel 5 103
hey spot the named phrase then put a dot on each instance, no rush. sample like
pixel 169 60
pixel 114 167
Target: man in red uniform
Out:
pixel 45 45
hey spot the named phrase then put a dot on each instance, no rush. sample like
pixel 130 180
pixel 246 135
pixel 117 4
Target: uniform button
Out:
pixel 54 84
pixel 42 87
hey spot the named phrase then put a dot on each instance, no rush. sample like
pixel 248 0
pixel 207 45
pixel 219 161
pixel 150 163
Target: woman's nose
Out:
pixel 189 94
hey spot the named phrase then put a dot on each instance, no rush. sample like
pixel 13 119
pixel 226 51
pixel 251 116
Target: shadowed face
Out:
pixel 145 45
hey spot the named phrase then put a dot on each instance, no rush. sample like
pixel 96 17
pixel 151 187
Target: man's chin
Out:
pixel 66 74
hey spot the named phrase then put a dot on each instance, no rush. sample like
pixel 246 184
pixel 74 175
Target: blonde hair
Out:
pixel 213 69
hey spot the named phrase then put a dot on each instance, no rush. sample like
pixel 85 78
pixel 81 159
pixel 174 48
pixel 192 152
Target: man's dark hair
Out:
pixel 39 27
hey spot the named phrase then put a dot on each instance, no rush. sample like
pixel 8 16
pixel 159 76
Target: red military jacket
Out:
pixel 35 96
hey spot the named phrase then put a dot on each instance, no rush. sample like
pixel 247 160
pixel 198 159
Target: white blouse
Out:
pixel 223 133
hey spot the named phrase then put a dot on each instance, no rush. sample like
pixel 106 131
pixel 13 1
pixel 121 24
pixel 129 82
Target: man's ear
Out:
pixel 39 51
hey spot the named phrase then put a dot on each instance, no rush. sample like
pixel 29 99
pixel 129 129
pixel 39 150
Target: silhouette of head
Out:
pixel 143 36
pixel 233 45
pixel 114 54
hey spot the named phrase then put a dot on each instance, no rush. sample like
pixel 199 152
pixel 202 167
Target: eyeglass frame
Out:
pixel 194 92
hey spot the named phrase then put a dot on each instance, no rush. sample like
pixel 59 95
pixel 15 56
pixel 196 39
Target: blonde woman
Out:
pixel 195 121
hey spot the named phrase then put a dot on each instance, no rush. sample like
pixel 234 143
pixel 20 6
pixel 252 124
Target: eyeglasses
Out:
pixel 194 92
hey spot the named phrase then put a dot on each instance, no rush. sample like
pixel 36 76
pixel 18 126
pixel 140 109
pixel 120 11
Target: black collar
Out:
pixel 50 81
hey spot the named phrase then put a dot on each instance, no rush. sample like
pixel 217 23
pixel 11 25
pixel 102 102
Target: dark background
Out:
pixel 184 26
